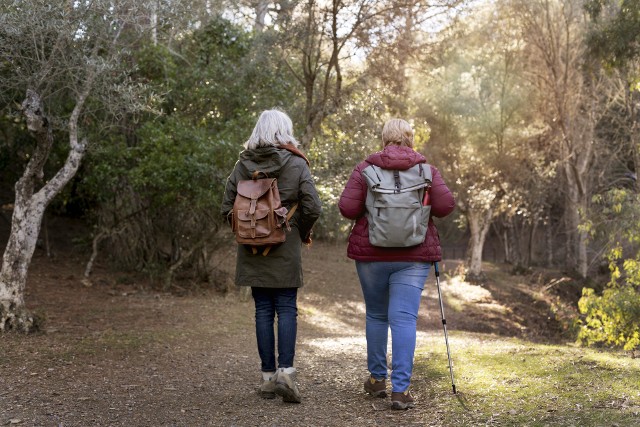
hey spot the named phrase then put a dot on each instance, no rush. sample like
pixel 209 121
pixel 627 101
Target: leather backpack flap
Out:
pixel 254 188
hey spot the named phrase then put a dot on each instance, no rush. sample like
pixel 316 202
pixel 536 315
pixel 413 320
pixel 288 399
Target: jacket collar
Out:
pixel 396 157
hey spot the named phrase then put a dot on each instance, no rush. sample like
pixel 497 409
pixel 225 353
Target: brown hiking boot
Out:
pixel 402 400
pixel 376 388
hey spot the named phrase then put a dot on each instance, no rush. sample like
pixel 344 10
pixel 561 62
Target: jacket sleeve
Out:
pixel 230 191
pixel 354 195
pixel 309 202
pixel 442 201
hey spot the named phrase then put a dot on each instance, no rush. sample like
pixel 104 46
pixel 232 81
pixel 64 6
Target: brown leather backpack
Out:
pixel 259 219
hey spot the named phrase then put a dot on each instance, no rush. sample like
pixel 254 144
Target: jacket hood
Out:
pixel 265 159
pixel 396 157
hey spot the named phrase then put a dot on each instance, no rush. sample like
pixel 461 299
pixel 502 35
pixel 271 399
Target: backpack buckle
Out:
pixel 396 178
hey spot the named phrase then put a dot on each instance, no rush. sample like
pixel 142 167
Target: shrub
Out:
pixel 611 318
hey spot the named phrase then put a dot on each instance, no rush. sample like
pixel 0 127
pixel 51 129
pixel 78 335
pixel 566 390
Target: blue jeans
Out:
pixel 269 302
pixel 392 292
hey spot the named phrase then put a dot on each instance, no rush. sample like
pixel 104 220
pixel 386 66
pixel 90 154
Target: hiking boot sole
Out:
pixel 379 393
pixel 287 394
pixel 267 394
pixel 402 405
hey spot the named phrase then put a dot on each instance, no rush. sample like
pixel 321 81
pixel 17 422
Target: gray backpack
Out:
pixel 395 210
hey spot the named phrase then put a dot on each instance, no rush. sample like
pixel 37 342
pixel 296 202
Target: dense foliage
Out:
pixel 615 37
pixel 611 316
pixel 158 184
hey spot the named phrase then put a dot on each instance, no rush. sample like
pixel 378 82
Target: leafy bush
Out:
pixel 612 317
pixel 159 198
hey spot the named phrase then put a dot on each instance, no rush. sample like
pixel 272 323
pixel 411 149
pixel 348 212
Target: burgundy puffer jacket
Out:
pixel 352 206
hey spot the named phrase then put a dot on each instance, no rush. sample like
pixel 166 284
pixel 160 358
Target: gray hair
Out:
pixel 274 128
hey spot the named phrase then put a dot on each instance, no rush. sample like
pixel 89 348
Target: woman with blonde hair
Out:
pixel 392 278
pixel 275 278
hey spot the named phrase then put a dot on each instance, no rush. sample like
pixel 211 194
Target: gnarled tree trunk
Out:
pixel 29 208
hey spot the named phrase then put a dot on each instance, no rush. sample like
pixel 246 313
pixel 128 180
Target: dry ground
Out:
pixel 120 354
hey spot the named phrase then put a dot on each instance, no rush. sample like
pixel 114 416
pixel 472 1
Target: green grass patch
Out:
pixel 509 382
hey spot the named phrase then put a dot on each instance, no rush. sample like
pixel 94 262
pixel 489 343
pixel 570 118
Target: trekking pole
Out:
pixel 444 326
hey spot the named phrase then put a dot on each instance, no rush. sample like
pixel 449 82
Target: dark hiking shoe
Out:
pixel 376 388
pixel 286 385
pixel 268 388
pixel 402 400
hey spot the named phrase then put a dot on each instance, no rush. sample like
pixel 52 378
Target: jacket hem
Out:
pixel 393 259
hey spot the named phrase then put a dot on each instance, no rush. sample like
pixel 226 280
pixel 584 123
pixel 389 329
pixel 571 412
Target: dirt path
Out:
pixel 115 354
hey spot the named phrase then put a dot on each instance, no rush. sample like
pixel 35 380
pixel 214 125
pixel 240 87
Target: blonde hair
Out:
pixel 397 132
pixel 273 128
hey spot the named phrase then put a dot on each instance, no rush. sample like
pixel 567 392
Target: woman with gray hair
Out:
pixel 275 278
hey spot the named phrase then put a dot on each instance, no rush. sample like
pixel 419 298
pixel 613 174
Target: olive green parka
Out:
pixel 282 267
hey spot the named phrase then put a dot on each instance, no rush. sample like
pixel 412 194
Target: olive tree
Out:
pixel 69 58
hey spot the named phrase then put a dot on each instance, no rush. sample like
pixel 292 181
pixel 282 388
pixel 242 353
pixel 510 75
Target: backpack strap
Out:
pixel 266 250
pixel 292 210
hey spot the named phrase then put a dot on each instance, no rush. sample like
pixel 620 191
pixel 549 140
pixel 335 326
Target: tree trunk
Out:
pixel 322 81
pixel 479 223
pixel 575 202
pixel 633 107
pixel 25 227
pixel 514 236
pixel 261 8
pixel 549 239
pixel 532 234
pixel 506 244
pixel 153 18
pixel 29 208
pixel 510 237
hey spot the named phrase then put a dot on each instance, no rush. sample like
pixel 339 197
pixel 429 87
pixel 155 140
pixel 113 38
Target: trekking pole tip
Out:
pixel 454 388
